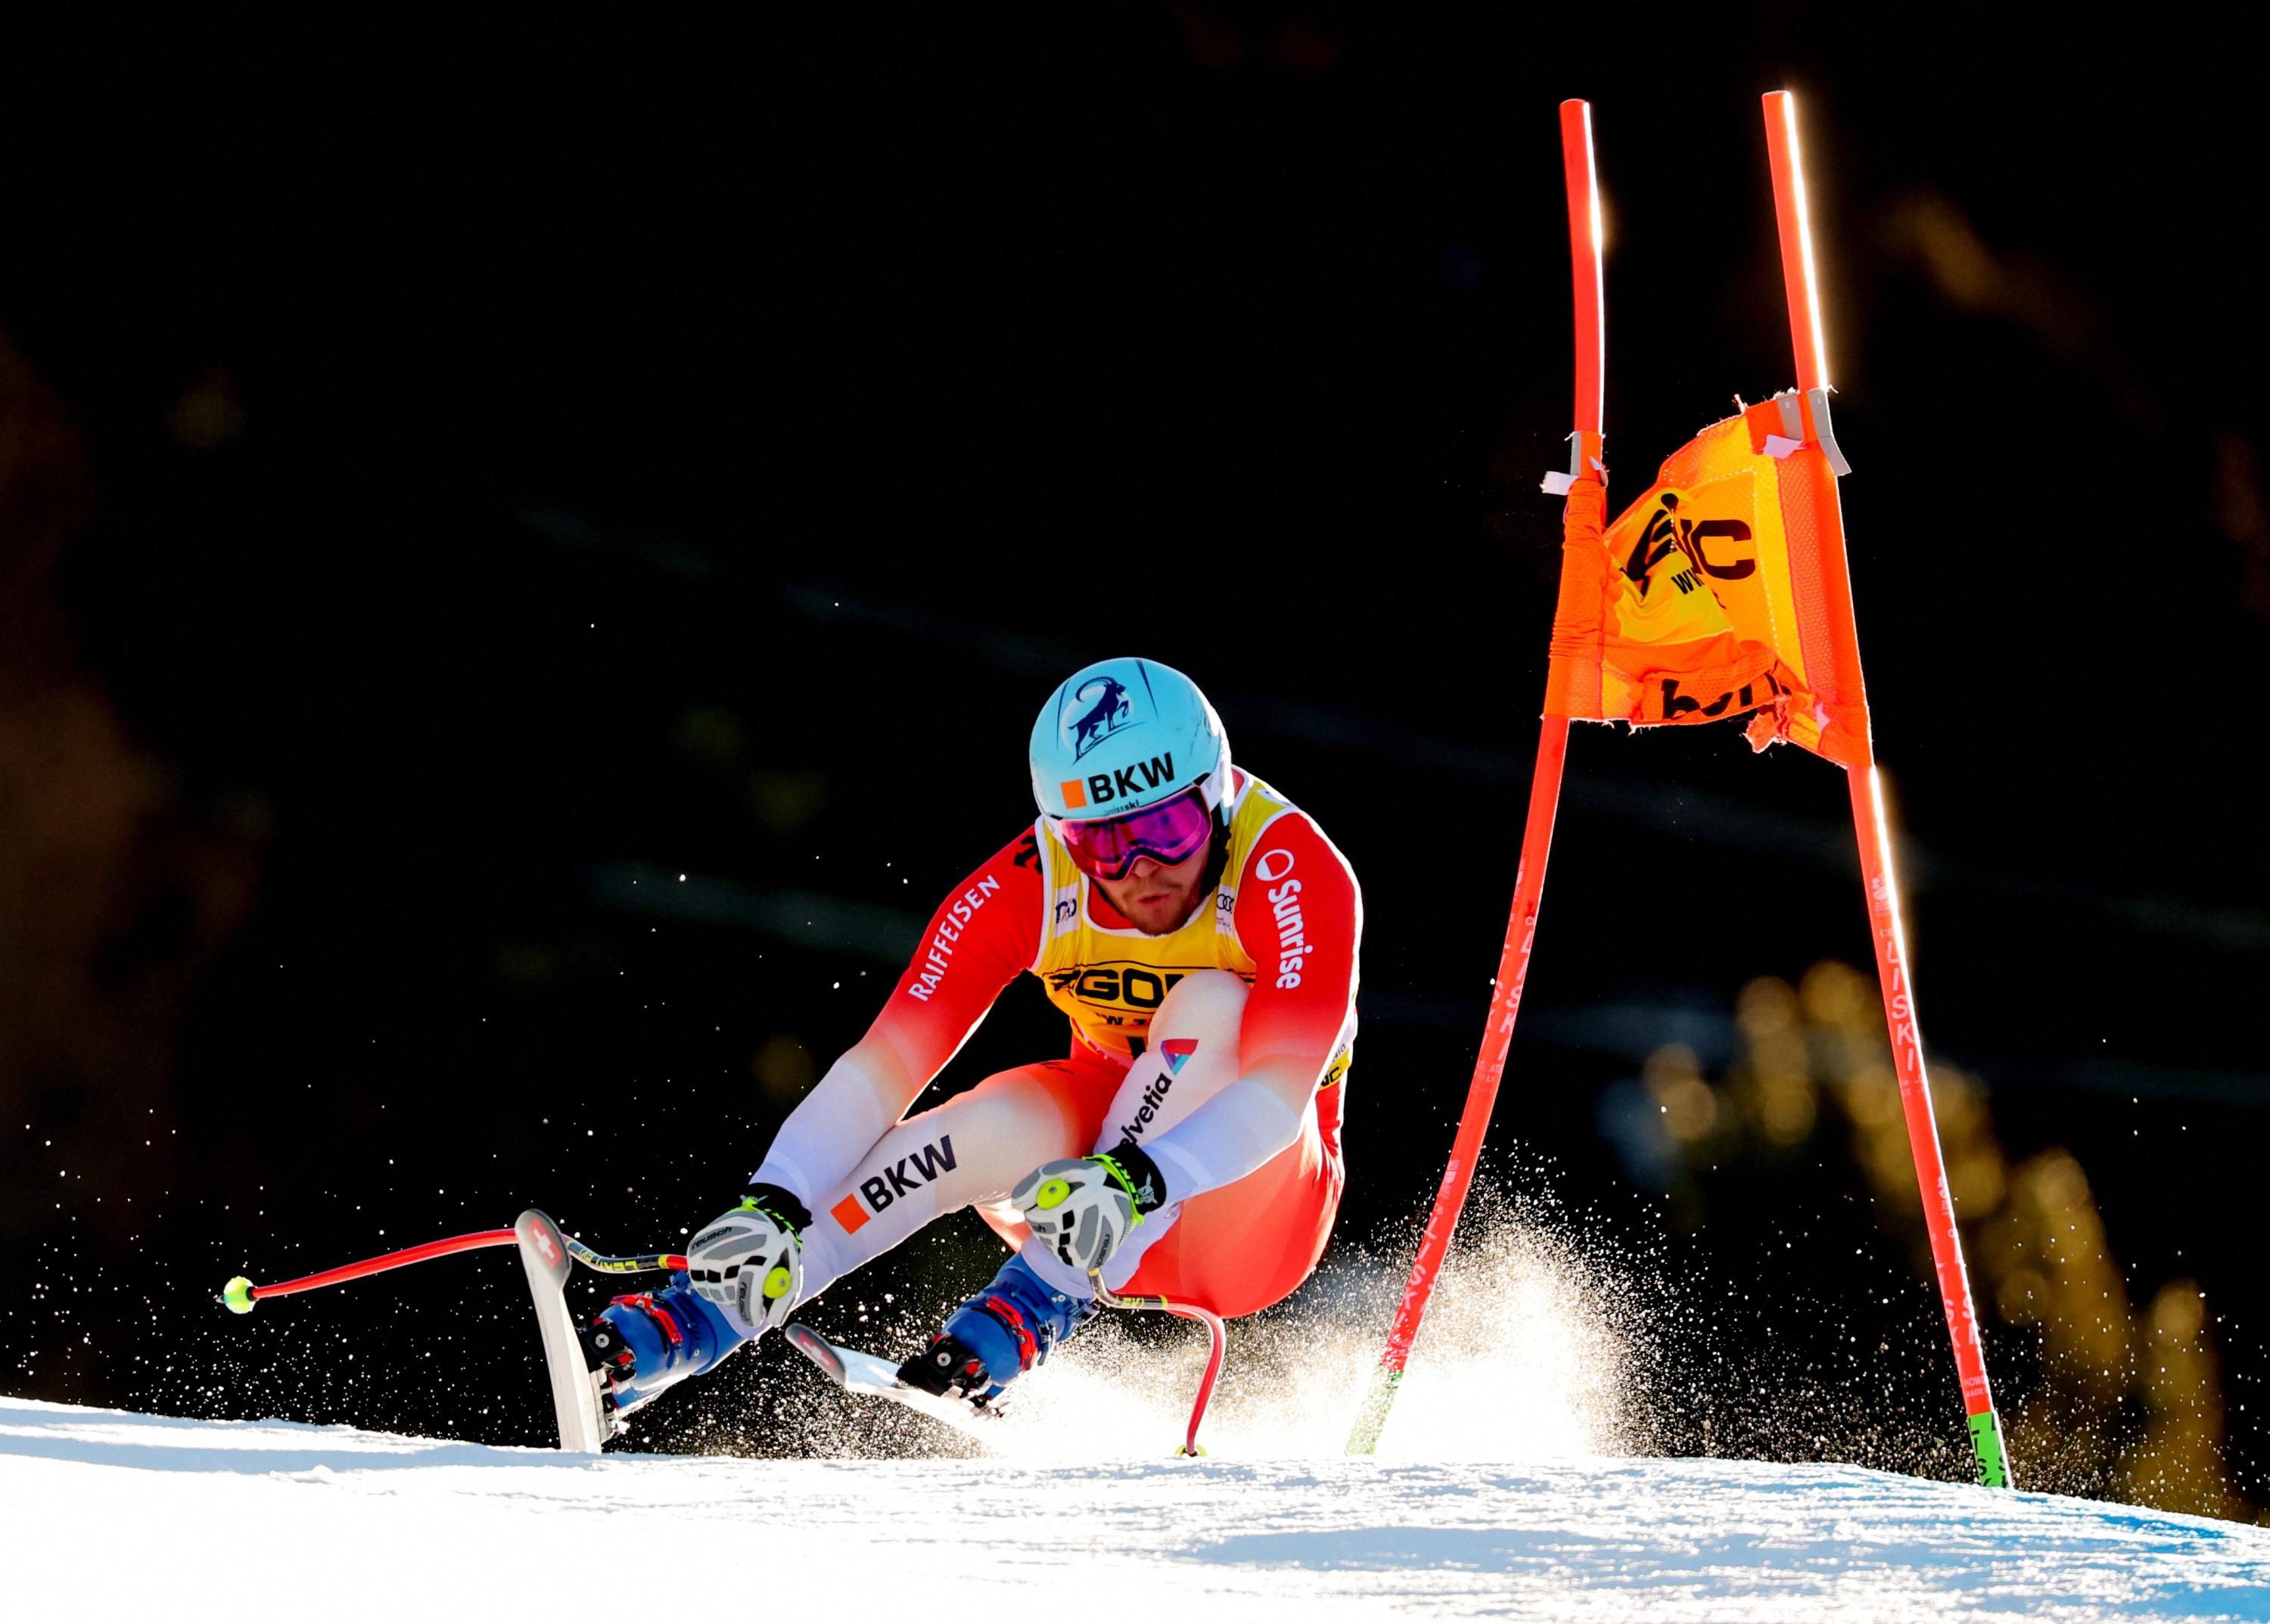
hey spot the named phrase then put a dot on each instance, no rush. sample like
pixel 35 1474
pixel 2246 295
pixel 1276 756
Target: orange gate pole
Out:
pixel 1537 833
pixel 1870 824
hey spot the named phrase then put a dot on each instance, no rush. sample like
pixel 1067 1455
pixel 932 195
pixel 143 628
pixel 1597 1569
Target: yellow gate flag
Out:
pixel 1720 592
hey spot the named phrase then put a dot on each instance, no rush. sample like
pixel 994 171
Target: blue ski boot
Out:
pixel 742 1269
pixel 643 1343
pixel 996 1335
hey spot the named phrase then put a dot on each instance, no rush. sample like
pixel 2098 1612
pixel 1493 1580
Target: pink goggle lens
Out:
pixel 1172 832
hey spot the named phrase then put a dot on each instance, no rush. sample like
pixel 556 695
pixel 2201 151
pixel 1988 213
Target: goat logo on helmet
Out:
pixel 1098 708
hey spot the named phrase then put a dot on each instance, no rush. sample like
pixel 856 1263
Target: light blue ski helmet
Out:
pixel 1121 735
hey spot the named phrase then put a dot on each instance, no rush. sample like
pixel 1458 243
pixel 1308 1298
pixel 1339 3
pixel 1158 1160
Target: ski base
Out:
pixel 871 1377
pixel 575 1389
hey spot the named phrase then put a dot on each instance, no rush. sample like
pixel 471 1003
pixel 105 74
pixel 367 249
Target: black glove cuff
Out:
pixel 1146 1182
pixel 782 1203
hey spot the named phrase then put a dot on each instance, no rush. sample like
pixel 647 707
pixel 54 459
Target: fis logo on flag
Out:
pixel 1668 532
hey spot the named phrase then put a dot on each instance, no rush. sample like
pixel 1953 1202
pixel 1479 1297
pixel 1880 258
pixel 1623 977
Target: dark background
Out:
pixel 486 474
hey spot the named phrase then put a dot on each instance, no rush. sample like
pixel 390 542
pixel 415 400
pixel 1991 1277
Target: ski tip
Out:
pixel 817 1349
pixel 543 1248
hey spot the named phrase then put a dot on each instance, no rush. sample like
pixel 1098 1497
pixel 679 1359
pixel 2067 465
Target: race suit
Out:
pixel 1253 1184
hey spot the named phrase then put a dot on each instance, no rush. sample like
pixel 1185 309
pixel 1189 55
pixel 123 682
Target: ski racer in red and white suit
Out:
pixel 1254 1183
pixel 1203 945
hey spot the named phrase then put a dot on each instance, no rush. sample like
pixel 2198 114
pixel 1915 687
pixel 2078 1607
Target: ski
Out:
pixel 868 1377
pixel 543 1254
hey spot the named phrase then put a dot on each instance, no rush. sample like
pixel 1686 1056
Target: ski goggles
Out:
pixel 1173 831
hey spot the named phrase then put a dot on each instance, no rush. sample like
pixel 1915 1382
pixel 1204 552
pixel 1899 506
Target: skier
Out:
pixel 1200 933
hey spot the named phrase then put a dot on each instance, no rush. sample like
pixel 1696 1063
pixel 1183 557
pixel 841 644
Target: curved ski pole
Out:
pixel 240 1294
pixel 1215 1329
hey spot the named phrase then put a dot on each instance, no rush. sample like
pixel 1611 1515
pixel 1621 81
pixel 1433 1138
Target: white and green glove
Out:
pixel 1082 1209
pixel 750 1261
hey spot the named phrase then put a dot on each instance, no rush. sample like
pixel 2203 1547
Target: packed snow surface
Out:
pixel 112 1515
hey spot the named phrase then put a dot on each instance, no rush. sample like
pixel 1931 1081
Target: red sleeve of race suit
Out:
pixel 1300 918
pixel 986 932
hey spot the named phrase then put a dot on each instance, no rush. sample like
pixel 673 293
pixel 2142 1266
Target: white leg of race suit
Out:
pixel 970 1151
pixel 973 1150
pixel 1192 1056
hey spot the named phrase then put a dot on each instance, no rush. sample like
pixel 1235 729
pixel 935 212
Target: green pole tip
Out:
pixel 238 1295
pixel 1986 1439
pixel 1372 1420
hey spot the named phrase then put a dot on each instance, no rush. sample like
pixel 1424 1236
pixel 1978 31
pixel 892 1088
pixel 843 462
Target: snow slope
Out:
pixel 110 1514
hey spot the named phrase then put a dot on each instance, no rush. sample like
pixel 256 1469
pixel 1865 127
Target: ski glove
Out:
pixel 1082 1209
pixel 750 1261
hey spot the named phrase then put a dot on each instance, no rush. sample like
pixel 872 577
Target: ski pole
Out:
pixel 1537 835
pixel 642 1262
pixel 1216 1331
pixel 241 1294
